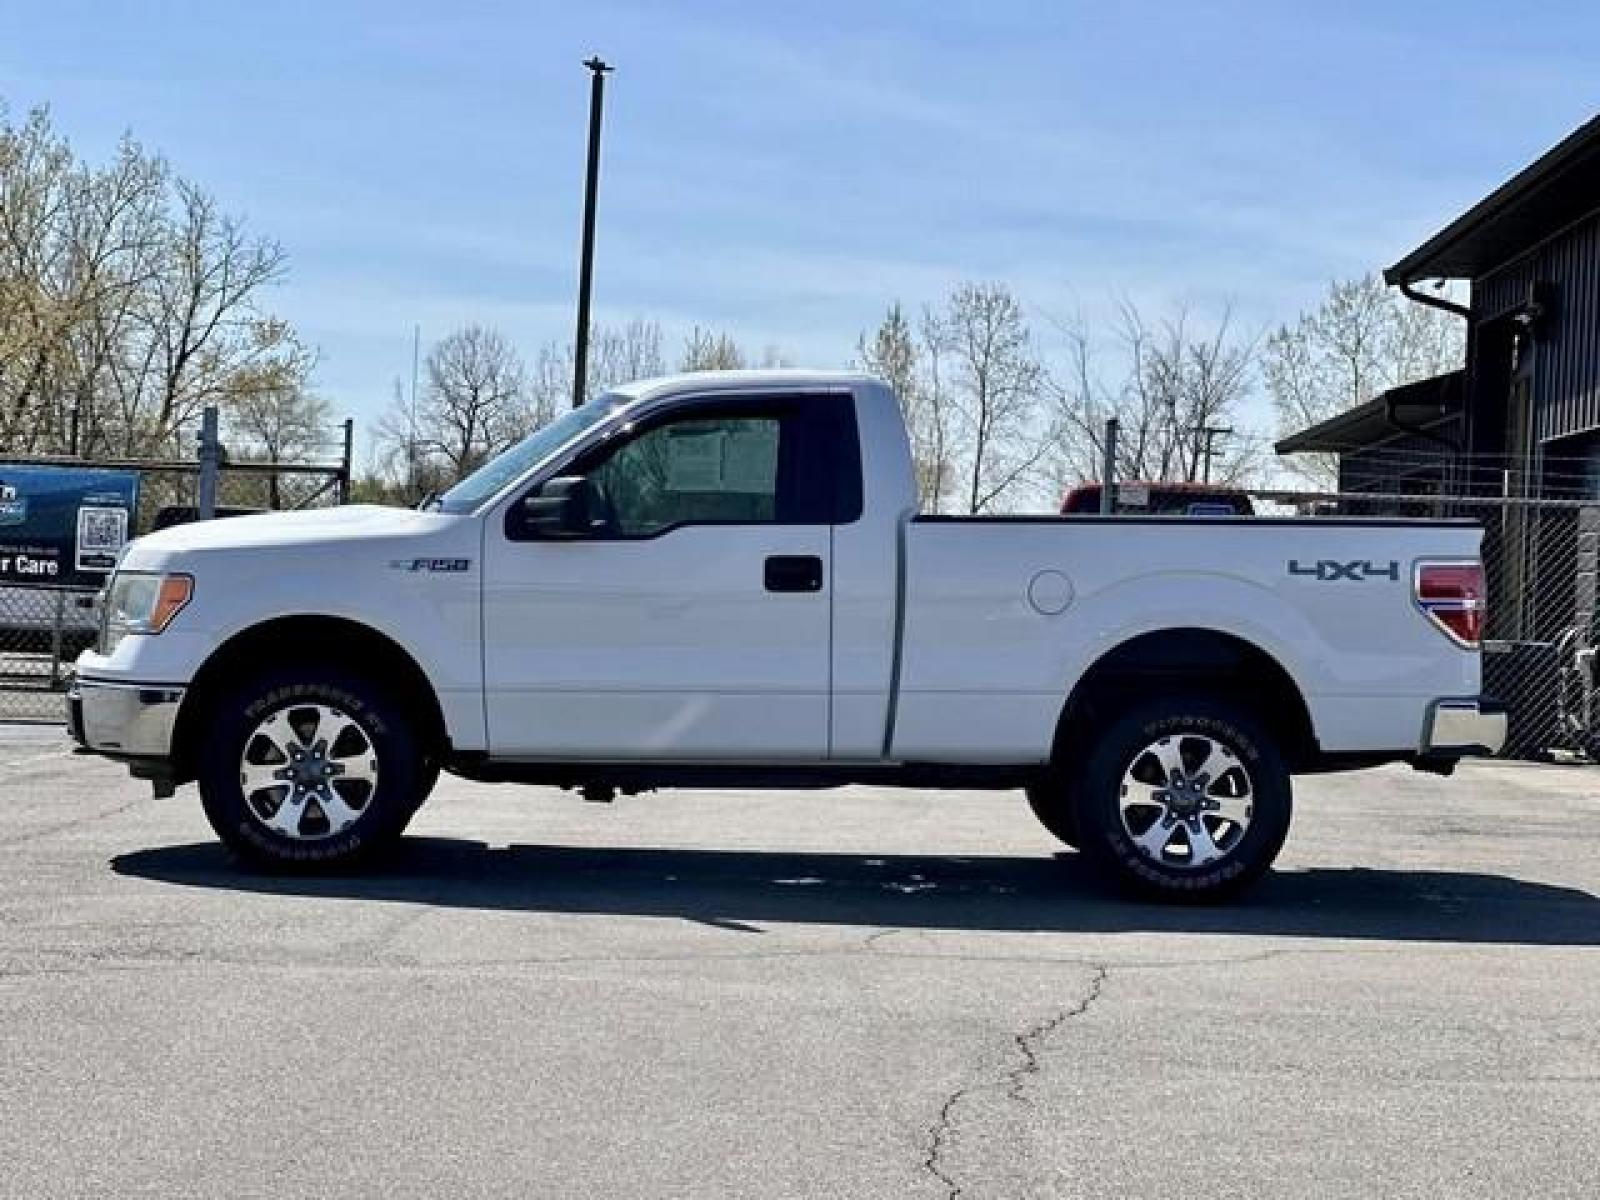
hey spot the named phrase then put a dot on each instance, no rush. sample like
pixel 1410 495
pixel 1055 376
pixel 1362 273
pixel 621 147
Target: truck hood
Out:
pixel 354 523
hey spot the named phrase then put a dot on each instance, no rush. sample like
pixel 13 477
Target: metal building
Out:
pixel 1531 252
pixel 1518 427
pixel 1529 398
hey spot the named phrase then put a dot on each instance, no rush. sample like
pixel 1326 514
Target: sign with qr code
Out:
pixel 101 534
pixel 63 526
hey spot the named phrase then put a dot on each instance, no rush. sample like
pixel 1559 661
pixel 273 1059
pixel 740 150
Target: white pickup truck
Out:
pixel 724 579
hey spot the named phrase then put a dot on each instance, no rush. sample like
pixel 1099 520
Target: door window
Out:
pixel 712 470
pixel 783 461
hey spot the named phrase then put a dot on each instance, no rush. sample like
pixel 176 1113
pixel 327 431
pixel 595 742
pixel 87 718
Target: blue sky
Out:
pixel 783 171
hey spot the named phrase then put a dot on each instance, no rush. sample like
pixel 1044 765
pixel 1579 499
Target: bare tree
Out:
pixel 708 351
pixel 471 408
pixel 1362 339
pixel 617 355
pixel 1178 387
pixel 127 298
pixel 1082 402
pixel 274 416
pixel 200 339
pixel 75 244
pixel 935 419
pixel 891 355
pixel 995 383
pixel 38 177
pixel 549 387
pixel 1204 378
pixel 624 354
pixel 399 471
pixel 912 369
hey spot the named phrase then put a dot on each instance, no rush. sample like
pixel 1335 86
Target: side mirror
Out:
pixel 561 508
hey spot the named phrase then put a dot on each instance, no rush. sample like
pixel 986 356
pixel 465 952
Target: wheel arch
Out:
pixel 1192 659
pixel 337 641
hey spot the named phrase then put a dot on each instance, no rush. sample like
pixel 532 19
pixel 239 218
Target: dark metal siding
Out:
pixel 1566 363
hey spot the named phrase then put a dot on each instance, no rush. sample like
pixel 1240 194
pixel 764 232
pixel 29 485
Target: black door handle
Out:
pixel 794 573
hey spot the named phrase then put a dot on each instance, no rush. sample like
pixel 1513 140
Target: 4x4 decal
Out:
pixel 1329 570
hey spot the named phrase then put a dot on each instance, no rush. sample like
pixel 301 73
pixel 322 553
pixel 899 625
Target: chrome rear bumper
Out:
pixel 1462 727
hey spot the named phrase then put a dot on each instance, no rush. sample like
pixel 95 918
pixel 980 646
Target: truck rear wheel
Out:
pixel 310 768
pixel 1184 799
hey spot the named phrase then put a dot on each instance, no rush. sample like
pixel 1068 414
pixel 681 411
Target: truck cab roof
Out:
pixel 785 379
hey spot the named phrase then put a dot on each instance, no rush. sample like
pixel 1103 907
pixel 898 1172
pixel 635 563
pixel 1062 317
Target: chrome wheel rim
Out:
pixel 308 771
pixel 1186 801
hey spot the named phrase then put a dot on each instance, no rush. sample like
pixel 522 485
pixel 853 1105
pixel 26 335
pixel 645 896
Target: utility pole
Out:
pixel 345 460
pixel 580 352
pixel 1210 433
pixel 210 462
pixel 1108 472
pixel 411 416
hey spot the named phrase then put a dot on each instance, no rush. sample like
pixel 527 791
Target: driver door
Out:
pixel 691 620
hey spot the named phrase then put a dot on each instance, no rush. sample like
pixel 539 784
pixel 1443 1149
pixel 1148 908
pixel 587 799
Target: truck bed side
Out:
pixel 1003 616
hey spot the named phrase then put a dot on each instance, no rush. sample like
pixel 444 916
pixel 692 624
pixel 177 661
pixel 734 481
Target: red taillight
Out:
pixel 1452 594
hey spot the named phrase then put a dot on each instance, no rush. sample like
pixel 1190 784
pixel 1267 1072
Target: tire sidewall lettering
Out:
pixel 238 717
pixel 1102 800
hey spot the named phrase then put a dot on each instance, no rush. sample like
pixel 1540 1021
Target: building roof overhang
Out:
pixel 1560 188
pixel 1417 405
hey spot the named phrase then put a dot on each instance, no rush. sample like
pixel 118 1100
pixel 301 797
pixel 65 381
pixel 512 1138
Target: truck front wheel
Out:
pixel 1184 799
pixel 309 767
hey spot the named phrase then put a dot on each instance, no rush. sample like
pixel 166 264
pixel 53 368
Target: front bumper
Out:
pixel 123 720
pixel 1462 727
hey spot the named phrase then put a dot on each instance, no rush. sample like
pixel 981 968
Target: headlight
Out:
pixel 137 602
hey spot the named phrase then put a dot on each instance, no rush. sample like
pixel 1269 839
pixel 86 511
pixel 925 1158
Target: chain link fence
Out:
pixel 45 625
pixel 1539 559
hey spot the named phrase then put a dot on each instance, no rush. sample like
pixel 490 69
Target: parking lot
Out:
pixel 853 993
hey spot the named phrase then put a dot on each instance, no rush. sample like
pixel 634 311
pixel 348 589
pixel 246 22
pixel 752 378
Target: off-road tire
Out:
pixel 1106 841
pixel 403 775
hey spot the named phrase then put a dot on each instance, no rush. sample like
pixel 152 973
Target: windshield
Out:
pixel 488 479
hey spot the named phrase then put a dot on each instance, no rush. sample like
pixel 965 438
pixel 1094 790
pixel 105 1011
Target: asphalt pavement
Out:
pixel 857 993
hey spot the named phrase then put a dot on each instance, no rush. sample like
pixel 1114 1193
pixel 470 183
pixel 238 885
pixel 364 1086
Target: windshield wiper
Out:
pixel 430 503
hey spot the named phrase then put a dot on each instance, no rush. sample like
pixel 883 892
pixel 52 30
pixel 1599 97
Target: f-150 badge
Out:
pixel 1329 570
pixel 431 564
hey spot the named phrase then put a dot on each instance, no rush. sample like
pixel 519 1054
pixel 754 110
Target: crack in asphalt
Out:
pixel 1014 1081
pixel 1029 1040
pixel 938 1136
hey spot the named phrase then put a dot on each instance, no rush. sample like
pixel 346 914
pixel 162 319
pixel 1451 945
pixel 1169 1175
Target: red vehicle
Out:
pixel 1162 499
